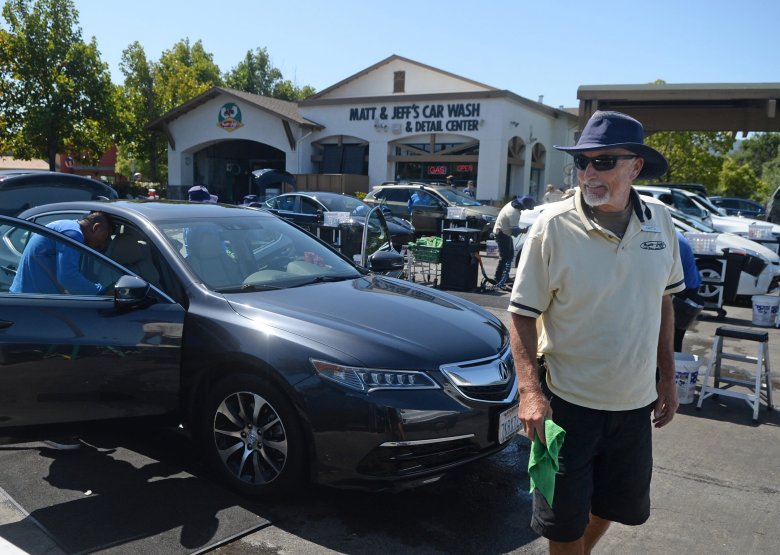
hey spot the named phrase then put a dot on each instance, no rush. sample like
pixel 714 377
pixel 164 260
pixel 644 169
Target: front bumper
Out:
pixel 390 440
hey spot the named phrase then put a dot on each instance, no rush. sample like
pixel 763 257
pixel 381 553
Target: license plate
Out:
pixel 508 424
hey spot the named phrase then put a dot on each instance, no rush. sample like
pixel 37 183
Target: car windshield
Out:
pixel 249 253
pixel 344 203
pixel 457 198
pixel 692 222
pixel 707 205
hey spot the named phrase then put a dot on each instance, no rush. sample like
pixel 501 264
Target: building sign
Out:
pixel 437 170
pixel 230 117
pixel 423 118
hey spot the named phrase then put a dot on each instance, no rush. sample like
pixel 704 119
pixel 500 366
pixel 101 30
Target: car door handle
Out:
pixel 5 324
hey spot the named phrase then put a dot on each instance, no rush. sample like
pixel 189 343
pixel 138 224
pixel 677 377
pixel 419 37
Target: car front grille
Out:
pixel 489 380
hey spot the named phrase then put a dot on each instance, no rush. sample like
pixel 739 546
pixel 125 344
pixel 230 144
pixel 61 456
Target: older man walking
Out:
pixel 598 271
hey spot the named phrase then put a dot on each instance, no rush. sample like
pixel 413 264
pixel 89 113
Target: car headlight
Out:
pixel 372 379
pixel 488 218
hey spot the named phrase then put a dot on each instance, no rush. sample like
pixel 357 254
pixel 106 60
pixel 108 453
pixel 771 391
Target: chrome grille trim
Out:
pixel 480 380
pixel 424 441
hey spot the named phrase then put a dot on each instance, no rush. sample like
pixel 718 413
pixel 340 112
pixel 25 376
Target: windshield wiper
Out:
pixel 326 279
pixel 247 287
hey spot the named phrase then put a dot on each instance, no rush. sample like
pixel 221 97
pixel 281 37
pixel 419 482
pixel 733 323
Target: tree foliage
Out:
pixel 694 156
pixel 137 107
pixel 757 150
pixel 739 180
pixel 182 73
pixel 153 88
pixel 56 94
pixel 255 74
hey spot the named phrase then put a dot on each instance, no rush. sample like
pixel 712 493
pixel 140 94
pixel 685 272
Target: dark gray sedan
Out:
pixel 309 209
pixel 283 358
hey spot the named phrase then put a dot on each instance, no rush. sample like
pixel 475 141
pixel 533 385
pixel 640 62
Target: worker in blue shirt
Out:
pixel 687 303
pixel 419 198
pixel 49 266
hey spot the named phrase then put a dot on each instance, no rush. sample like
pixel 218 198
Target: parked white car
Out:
pixel 699 207
pixel 766 282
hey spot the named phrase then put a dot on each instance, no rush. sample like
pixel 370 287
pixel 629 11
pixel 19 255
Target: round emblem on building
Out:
pixel 229 117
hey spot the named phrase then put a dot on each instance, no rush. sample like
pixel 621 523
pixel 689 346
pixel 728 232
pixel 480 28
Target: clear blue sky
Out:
pixel 532 48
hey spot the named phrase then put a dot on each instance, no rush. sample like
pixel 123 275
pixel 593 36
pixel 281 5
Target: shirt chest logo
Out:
pixel 653 245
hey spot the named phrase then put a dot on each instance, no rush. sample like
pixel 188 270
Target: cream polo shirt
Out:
pixel 599 298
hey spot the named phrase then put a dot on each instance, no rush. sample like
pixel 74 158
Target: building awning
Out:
pixel 731 107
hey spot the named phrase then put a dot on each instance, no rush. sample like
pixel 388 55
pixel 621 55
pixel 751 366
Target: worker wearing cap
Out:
pixel 505 228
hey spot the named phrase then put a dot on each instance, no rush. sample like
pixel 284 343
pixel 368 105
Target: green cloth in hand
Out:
pixel 543 461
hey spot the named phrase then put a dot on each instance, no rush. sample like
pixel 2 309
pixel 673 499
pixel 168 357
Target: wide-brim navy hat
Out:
pixel 618 130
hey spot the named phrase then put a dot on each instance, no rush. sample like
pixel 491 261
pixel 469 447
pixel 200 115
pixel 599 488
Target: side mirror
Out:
pixel 320 216
pixel 130 292
pixel 386 261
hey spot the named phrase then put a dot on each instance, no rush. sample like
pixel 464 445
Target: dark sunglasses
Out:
pixel 600 163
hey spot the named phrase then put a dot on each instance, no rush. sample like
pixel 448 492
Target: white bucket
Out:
pixel 765 310
pixel 686 373
pixel 491 248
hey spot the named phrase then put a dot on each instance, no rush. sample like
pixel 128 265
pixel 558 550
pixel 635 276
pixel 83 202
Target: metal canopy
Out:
pixel 731 107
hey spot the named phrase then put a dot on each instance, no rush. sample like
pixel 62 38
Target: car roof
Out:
pixel 412 184
pixel 318 194
pixel 48 177
pixel 155 211
pixel 735 198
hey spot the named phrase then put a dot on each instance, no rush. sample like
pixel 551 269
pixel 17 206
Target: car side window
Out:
pixel 48 264
pixel 308 206
pixel 397 195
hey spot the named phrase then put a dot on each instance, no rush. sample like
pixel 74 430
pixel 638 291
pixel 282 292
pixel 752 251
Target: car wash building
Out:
pixel 396 120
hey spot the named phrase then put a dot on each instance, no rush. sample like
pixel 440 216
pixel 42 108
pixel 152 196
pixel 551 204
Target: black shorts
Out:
pixel 606 463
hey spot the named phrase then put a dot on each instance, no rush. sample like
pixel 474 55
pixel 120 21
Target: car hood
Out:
pixel 739 224
pixel 733 241
pixel 376 319
pixel 482 209
pixel 395 225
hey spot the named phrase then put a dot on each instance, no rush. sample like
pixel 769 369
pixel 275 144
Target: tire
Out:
pixel 252 437
pixel 710 271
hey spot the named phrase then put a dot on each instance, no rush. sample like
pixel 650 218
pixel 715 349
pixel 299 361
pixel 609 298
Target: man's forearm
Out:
pixel 524 343
pixel 665 354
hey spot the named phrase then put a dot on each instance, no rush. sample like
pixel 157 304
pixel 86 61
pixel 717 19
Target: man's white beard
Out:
pixel 595 200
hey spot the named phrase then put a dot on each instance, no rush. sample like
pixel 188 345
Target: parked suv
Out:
pixel 735 206
pixel 23 191
pixel 427 220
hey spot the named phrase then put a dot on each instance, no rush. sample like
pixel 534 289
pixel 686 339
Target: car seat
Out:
pixel 135 254
pixel 208 257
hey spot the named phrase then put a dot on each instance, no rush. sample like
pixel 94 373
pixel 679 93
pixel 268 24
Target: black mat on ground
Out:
pixel 125 494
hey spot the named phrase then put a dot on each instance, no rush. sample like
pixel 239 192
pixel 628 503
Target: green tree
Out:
pixel 182 73
pixel 694 156
pixel 138 107
pixel 739 180
pixel 285 90
pixel 771 175
pixel 151 89
pixel 757 150
pixel 56 94
pixel 254 74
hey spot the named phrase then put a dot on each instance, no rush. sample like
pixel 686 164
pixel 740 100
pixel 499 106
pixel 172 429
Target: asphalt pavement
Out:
pixel 716 488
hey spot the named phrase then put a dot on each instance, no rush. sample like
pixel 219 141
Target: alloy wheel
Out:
pixel 250 438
